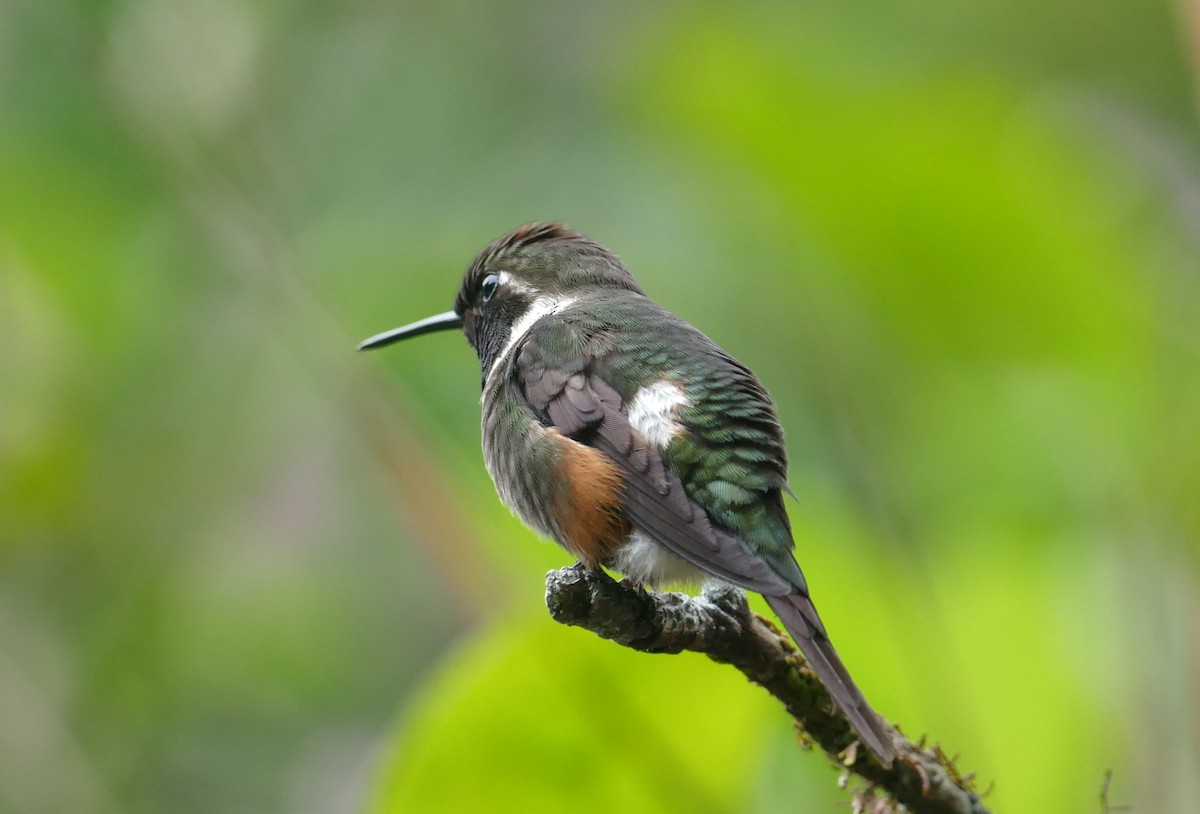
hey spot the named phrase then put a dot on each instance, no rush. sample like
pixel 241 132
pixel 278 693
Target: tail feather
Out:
pixel 799 616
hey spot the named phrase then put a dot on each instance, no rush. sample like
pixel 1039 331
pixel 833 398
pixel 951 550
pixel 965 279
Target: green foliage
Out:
pixel 533 717
pixel 957 241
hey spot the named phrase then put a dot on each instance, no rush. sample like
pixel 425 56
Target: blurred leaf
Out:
pixel 534 717
pixel 957 240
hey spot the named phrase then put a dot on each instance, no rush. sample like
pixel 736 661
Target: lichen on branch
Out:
pixel 720 624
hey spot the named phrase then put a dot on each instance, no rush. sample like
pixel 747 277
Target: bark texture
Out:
pixel 720 624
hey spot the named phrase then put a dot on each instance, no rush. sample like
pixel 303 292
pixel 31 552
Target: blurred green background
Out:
pixel 244 569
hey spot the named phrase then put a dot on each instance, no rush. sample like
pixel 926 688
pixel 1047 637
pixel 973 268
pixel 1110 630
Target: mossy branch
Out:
pixel 721 625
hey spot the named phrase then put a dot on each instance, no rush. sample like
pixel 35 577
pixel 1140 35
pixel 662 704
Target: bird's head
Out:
pixel 517 278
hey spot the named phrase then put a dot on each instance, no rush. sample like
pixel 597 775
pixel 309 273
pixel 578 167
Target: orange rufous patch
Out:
pixel 589 505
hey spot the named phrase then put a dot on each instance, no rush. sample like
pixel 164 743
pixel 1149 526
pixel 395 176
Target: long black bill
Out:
pixel 441 322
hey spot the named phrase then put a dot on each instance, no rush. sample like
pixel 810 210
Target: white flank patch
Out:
pixel 654 412
pixel 541 307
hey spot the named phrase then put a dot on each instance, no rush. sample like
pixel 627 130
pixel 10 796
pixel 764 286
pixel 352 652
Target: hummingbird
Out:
pixel 620 431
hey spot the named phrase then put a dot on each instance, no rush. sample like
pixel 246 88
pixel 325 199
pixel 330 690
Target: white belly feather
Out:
pixel 654 415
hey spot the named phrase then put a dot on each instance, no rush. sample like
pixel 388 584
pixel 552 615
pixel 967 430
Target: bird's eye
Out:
pixel 489 286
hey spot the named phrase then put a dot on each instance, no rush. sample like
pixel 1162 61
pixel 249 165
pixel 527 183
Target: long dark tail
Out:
pixel 800 617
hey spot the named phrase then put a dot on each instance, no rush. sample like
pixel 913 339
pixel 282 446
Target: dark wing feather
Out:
pixel 583 406
pixel 799 616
